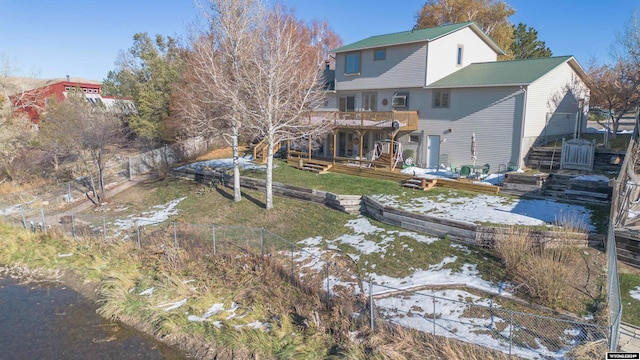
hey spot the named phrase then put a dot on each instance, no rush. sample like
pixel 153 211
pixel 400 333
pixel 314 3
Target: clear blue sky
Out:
pixel 80 38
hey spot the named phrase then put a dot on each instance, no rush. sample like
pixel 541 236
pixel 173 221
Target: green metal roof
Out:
pixel 499 73
pixel 406 37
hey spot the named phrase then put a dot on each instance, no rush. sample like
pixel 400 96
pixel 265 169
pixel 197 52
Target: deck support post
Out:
pixel 391 147
pixel 360 134
pixel 288 148
pixel 335 140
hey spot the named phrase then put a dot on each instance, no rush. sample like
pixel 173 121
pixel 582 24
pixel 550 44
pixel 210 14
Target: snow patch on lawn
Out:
pixel 491 209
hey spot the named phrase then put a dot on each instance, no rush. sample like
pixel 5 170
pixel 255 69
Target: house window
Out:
pixel 414 138
pixel 369 102
pixel 441 99
pixel 400 100
pixel 459 55
pixel 353 64
pixel 379 54
pixel 347 104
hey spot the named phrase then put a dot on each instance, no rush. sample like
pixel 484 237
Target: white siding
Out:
pixel 404 66
pixel 553 96
pixel 443 53
pixel 493 114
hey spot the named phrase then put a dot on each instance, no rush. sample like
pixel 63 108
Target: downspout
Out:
pixel 524 116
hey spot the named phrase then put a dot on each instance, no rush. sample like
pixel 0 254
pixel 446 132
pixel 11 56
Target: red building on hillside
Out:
pixel 33 101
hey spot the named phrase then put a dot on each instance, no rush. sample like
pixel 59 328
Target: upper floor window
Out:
pixel 400 100
pixel 369 102
pixel 441 99
pixel 379 54
pixel 347 104
pixel 459 54
pixel 353 63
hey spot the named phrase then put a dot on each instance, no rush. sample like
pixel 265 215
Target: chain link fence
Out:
pixel 449 313
pixel 625 191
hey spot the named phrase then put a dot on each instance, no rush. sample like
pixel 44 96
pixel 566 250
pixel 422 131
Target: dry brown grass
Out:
pixel 556 274
pixel 396 342
pixel 513 248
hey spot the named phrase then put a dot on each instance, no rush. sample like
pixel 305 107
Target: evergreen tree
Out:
pixel 526 44
pixel 146 74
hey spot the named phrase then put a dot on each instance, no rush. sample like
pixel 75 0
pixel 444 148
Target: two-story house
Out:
pixel 426 93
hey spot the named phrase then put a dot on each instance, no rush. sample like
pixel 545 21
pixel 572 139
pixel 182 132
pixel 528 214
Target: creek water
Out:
pixel 48 321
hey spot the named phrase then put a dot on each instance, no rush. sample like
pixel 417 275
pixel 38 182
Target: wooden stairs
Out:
pixel 420 183
pixel 260 151
pixel 318 167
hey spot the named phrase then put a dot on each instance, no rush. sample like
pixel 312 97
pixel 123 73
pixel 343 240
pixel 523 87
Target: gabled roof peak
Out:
pixel 414 36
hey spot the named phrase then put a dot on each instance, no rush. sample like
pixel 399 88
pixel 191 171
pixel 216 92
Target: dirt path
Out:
pixel 55 219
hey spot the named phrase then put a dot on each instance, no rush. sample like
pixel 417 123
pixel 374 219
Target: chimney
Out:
pixel 68 78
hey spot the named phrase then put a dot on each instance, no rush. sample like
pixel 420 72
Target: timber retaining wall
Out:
pixel 460 231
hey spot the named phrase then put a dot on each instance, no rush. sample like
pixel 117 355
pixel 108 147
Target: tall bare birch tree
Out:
pixel 211 96
pixel 282 83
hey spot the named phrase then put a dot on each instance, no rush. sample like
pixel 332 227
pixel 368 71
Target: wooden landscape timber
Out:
pixel 487 235
pixel 628 246
pixel 462 231
pixel 469 185
pixel 396 175
pixel 349 204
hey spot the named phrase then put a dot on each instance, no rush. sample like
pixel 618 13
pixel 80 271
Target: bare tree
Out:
pixel 282 82
pixel 490 15
pixel 617 87
pixel 92 132
pixel 210 94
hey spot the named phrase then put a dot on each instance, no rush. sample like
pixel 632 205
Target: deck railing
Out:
pixel 406 120
pixel 260 150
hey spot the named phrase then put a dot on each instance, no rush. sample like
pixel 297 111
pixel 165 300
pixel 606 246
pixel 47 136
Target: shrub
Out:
pixel 513 247
pixel 541 272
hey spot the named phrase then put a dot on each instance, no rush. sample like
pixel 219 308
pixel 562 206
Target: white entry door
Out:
pixel 433 151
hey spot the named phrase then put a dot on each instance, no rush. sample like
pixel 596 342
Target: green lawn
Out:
pixel 630 306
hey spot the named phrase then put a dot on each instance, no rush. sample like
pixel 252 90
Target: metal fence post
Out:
pixel 371 322
pixel 213 234
pixel 24 218
pixel 262 242
pixel 433 298
pixel 510 330
pixel 292 264
pixel 104 228
pixel 44 223
pixel 73 225
pixel 328 287
pixel 139 245
pixel 175 235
